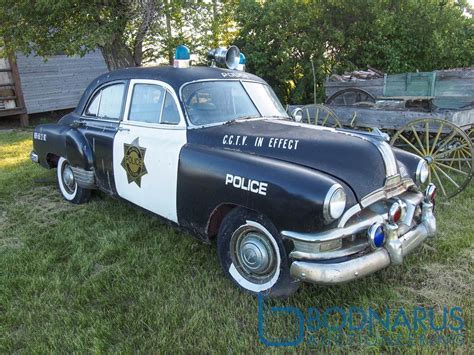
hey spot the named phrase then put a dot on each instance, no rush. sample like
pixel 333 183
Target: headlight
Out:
pixel 422 172
pixel 334 203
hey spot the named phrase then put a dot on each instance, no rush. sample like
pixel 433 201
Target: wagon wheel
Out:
pixel 469 131
pixel 350 96
pixel 446 148
pixel 320 115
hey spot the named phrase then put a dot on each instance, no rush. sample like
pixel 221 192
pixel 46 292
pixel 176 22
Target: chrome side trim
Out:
pixel 348 214
pixel 337 232
pixel 84 178
pixel 386 193
pixel 304 255
pixel 363 221
pixel 388 157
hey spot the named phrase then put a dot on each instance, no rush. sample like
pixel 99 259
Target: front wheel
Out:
pixel 253 255
pixel 68 186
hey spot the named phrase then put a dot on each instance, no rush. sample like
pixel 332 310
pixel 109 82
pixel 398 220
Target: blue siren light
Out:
pixel 241 65
pixel 182 53
pixel 376 235
pixel 182 57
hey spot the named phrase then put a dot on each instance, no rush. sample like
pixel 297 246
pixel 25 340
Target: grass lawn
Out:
pixel 105 276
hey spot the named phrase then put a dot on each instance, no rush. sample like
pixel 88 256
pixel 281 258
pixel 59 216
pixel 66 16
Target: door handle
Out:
pixel 123 129
pixel 78 123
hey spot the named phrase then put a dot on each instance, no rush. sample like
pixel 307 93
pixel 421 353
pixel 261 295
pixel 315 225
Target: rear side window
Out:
pixel 93 107
pixel 107 103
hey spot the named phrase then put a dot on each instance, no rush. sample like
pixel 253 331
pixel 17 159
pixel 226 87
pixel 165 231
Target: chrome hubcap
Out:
pixel 253 254
pixel 68 178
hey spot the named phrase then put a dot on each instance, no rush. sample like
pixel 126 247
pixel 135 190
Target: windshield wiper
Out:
pixel 242 118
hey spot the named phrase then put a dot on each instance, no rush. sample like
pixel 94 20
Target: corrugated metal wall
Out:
pixel 59 82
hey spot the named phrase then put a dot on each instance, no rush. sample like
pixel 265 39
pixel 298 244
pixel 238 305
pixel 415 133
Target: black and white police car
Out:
pixel 214 152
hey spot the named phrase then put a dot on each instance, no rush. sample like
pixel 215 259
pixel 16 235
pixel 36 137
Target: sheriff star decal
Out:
pixel 134 162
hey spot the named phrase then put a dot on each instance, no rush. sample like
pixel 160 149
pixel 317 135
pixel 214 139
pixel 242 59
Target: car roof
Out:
pixel 175 77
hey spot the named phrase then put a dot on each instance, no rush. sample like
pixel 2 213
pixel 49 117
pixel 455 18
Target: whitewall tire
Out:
pixel 253 255
pixel 68 186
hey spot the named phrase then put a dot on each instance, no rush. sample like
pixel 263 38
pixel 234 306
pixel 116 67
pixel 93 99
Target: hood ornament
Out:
pixel 379 134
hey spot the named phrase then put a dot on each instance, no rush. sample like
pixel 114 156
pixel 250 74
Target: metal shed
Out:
pixel 29 84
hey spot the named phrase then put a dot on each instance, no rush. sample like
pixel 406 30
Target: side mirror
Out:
pixel 297 114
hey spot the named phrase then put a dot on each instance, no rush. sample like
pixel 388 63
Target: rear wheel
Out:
pixel 253 255
pixel 68 186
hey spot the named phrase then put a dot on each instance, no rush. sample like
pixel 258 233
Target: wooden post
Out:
pixel 20 101
pixel 24 120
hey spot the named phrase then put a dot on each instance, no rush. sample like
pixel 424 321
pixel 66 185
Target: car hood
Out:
pixel 361 161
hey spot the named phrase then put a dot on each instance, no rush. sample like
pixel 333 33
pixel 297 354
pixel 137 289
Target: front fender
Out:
pixel 292 198
pixel 410 161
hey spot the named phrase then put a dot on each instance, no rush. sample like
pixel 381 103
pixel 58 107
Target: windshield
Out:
pixel 222 101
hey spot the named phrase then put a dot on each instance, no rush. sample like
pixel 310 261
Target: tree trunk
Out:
pixel 170 34
pixel 148 14
pixel 117 55
pixel 215 24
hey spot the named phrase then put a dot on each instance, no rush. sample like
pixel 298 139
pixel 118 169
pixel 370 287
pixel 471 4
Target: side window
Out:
pixel 147 103
pixel 93 107
pixel 107 103
pixel 110 104
pixel 153 104
pixel 170 111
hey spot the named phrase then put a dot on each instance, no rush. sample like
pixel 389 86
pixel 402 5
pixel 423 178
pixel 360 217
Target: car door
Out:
pixel 147 147
pixel 99 123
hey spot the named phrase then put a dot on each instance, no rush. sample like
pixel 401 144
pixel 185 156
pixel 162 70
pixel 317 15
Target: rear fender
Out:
pixel 54 140
pixel 78 150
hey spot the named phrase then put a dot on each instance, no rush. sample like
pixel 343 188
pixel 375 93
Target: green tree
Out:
pixel 401 35
pixel 128 33
pixel 48 27
pixel 281 38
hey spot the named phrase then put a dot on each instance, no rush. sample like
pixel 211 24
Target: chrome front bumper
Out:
pixel 393 252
